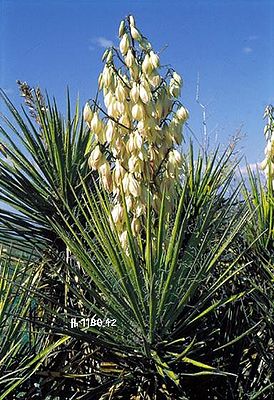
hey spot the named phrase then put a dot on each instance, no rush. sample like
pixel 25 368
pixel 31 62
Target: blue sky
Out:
pixel 229 43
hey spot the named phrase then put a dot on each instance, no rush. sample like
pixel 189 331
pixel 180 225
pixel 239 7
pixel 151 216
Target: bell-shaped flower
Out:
pixel 137 112
pixel 154 59
pixel 135 226
pixel 133 186
pixel 146 65
pixel 122 28
pixel 96 158
pixel 119 172
pixel 87 113
pixel 135 33
pixel 124 44
pixel 135 93
pixel 182 114
pixel 144 94
pixel 117 213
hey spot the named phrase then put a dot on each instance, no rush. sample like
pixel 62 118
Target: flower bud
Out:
pixel 120 107
pixel 117 213
pixel 144 44
pixel 124 120
pixel 135 226
pixel 139 209
pixel 130 144
pixel 88 114
pixel 146 65
pixel 110 131
pixel 122 28
pixel 129 58
pixel 112 110
pixel 123 239
pixel 134 164
pixel 154 59
pixel 105 175
pixel 131 20
pixel 120 92
pixel 133 186
pixel 109 57
pixel 107 76
pixel 182 114
pixel 175 158
pixel 95 158
pixel 137 112
pixel 95 123
pixel 124 44
pixel 154 78
pixel 108 99
pixel 129 202
pixel 138 140
pixel 125 183
pixel 105 54
pixel 135 33
pixel 177 78
pixel 134 93
pixel 144 94
pixel 119 172
pixel 134 71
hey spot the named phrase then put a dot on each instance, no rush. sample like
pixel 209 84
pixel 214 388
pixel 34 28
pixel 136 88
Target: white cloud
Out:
pixel 247 50
pixel 102 42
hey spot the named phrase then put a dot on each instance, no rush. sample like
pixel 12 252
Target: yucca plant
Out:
pixel 258 194
pixel 155 297
pixel 42 154
pixel 154 308
pixel 22 347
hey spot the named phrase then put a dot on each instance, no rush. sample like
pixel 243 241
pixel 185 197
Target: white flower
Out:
pixel 117 213
pixel 135 226
pixel 124 44
pixel 129 59
pixel 135 33
pixel 123 239
pixel 146 65
pixel 119 172
pixel 154 59
pixel 131 20
pixel 133 186
pixel 88 114
pixel 95 158
pixel 122 28
pixel 177 78
pixel 137 112
pixel 182 114
pixel 134 93
pixel 144 94
pixel 95 123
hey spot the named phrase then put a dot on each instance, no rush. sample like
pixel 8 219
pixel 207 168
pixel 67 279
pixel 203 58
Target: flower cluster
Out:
pixel 137 134
pixel 268 163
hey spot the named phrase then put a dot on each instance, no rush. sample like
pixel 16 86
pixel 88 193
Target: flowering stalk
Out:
pixel 135 139
pixel 268 163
